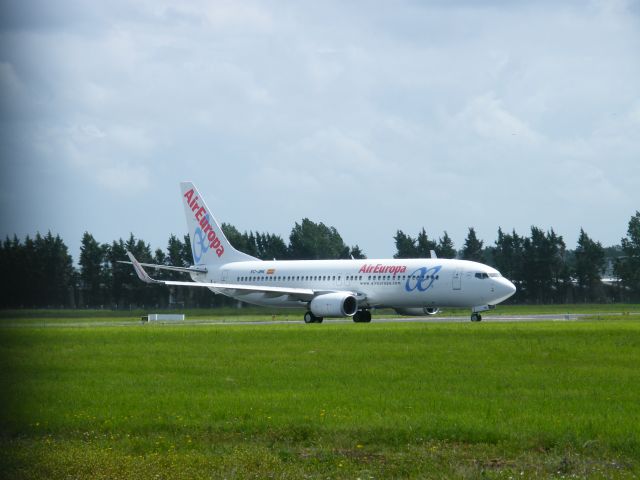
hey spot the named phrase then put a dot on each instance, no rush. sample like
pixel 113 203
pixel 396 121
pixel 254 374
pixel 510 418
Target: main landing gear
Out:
pixel 362 316
pixel 476 317
pixel 311 318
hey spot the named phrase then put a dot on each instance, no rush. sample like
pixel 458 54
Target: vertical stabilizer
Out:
pixel 209 246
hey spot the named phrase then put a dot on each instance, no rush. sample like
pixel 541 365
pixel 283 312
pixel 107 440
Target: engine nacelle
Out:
pixel 339 304
pixel 417 312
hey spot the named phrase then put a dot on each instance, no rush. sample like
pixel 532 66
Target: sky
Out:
pixel 368 116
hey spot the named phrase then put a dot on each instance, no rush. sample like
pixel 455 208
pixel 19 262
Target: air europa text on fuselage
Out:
pixel 201 217
pixel 379 268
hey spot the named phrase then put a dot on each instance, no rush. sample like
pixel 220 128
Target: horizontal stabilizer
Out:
pixel 168 267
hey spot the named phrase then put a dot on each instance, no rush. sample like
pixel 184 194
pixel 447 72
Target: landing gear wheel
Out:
pixel 311 318
pixel 362 316
pixel 476 317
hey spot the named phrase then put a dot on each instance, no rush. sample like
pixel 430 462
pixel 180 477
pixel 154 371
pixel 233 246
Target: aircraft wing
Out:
pixel 304 294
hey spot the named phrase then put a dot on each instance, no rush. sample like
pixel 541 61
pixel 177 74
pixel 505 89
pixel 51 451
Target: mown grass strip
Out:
pixel 298 399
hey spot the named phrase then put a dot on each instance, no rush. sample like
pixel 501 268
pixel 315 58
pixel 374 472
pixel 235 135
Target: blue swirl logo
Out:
pixel 199 240
pixel 422 279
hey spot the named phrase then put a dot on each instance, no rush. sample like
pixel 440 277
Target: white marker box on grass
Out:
pixel 159 317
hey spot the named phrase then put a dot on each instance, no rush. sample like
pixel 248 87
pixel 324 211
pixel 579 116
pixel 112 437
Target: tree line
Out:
pixel 40 272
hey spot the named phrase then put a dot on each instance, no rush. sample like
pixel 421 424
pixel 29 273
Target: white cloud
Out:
pixel 486 116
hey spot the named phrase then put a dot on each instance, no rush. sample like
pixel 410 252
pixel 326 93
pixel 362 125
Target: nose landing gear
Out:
pixel 475 312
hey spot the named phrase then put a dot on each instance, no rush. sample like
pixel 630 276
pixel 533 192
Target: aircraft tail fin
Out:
pixel 209 245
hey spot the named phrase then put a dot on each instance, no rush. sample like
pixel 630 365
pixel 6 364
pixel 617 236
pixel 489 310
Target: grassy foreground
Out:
pixel 523 400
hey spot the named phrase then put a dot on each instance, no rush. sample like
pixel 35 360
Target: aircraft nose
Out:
pixel 503 289
pixel 511 288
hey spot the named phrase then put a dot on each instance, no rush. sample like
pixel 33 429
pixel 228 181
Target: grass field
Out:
pixel 508 400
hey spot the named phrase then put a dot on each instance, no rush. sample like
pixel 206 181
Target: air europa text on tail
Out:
pixel 202 216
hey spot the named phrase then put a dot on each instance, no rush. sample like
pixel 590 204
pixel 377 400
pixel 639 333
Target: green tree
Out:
pixel 14 279
pixel 508 256
pixel 627 268
pixel 472 249
pixel 405 246
pixel 175 257
pixel 37 273
pixel 545 270
pixel 121 280
pixel 589 265
pixel 357 253
pixel 315 241
pixel 241 241
pixel 93 272
pixel 424 245
pixel 58 270
pixel 175 254
pixel 445 247
pixel 270 246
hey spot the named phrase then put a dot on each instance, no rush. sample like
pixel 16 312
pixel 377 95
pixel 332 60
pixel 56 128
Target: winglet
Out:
pixel 142 275
pixel 433 254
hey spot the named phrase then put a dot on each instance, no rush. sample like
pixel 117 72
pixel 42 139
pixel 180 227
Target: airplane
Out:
pixel 329 288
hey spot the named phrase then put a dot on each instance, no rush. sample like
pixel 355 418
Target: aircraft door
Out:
pixel 225 275
pixel 456 282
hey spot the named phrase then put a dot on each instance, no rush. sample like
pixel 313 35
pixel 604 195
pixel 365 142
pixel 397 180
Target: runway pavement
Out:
pixel 431 319
pixel 557 317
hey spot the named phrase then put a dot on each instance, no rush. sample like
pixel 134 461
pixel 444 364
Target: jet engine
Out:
pixel 338 304
pixel 417 312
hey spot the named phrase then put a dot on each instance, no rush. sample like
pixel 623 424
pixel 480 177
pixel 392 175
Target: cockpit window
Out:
pixel 494 275
pixel 482 275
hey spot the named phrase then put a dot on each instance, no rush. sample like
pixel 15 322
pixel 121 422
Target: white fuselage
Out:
pixel 395 283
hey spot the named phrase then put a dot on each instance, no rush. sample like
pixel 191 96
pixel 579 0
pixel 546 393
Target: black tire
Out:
pixel 362 316
pixel 309 317
pixel 319 319
pixel 474 317
pixel 479 318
